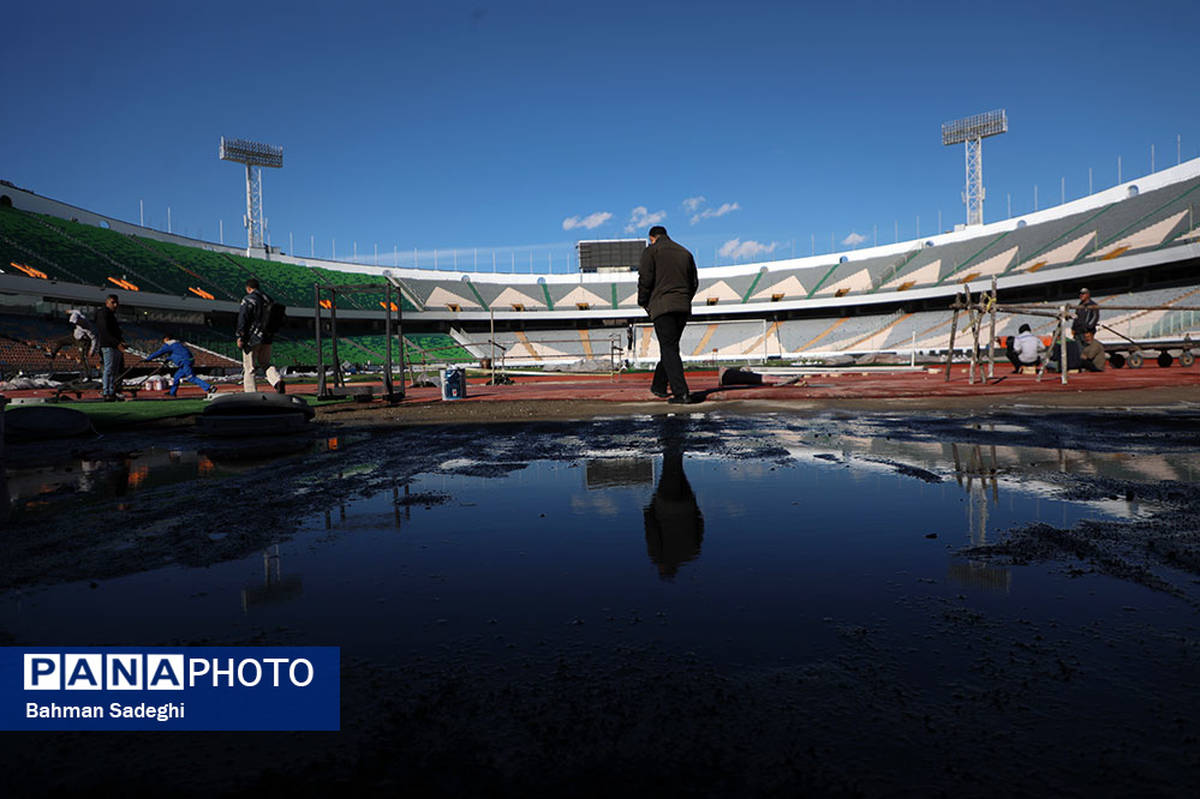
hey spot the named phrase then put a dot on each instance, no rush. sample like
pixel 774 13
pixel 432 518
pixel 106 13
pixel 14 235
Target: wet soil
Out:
pixel 978 700
pixel 730 403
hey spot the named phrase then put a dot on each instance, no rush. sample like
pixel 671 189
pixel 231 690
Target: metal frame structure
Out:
pixel 391 304
pixel 971 131
pixel 985 304
pixel 252 154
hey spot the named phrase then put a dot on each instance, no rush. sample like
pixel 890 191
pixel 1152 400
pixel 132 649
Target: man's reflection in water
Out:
pixel 674 525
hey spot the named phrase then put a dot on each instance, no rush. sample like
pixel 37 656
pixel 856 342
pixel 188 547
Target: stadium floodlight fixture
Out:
pixel 971 131
pixel 255 155
pixel 251 153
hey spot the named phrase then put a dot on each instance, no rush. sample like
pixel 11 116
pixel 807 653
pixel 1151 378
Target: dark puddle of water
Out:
pixel 732 561
pixel 584 598
pixel 57 486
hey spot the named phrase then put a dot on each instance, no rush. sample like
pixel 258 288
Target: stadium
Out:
pixel 874 325
pixel 1134 244
pixel 460 542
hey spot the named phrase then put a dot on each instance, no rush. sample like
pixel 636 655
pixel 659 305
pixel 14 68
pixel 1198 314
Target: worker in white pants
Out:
pixel 254 335
pixel 259 357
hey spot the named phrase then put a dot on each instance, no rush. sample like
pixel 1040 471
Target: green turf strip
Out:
pixel 110 415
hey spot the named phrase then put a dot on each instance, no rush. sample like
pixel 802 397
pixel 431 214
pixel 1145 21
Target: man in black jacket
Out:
pixel 1087 316
pixel 112 345
pixel 667 281
pixel 253 339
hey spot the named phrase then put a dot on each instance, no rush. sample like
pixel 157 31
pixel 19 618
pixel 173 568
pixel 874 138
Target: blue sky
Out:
pixel 517 128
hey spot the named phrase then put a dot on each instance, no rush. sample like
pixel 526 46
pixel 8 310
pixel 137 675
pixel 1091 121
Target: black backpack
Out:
pixel 273 317
pixel 269 317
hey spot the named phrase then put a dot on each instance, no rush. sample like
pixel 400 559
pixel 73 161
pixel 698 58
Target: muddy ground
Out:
pixel 1106 707
pixel 728 403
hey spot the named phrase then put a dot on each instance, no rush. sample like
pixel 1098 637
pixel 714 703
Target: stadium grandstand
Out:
pixel 1137 243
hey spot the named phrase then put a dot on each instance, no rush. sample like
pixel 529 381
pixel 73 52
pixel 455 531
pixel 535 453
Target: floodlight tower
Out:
pixel 252 154
pixel 972 131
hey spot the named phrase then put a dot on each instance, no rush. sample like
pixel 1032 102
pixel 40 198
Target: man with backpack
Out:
pixel 258 320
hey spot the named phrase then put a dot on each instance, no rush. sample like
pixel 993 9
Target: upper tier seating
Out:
pixel 40 246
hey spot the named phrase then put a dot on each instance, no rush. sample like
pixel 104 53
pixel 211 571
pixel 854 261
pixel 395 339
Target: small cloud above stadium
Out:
pixel 640 217
pixel 711 213
pixel 589 222
pixel 692 203
pixel 740 250
pixel 854 239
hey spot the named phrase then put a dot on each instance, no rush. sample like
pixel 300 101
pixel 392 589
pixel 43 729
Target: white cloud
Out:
pixel 692 203
pixel 739 250
pixel 853 240
pixel 590 222
pixel 709 213
pixel 641 217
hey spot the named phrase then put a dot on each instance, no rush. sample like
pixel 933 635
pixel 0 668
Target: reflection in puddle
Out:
pixel 41 488
pixel 275 587
pixel 29 489
pixel 674 523
pixel 727 550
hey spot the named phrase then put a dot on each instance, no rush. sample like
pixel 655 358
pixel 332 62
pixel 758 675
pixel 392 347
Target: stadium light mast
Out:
pixel 972 131
pixel 255 155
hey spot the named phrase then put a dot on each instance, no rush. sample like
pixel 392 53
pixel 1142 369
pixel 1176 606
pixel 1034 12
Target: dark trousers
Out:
pixel 1012 356
pixel 668 328
pixel 185 373
pixel 112 367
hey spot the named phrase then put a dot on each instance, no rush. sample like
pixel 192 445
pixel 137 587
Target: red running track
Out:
pixel 831 385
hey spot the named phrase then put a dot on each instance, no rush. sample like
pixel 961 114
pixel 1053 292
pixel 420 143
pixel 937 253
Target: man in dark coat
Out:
pixel 1087 316
pixel 667 282
pixel 253 339
pixel 112 345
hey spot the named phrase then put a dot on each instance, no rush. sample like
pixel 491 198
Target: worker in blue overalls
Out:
pixel 181 357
